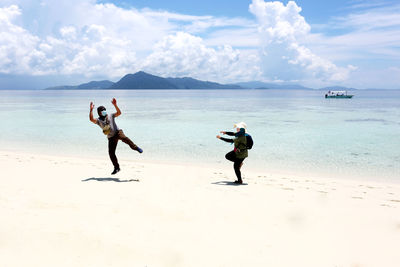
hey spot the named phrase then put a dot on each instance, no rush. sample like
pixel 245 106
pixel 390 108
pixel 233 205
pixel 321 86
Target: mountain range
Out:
pixel 143 80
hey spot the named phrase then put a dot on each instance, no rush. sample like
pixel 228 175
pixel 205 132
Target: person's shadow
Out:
pixel 109 179
pixel 228 183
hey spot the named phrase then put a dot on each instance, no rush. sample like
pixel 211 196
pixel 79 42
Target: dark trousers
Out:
pixel 112 146
pixel 236 163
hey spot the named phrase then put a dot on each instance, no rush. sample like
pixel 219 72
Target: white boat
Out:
pixel 337 94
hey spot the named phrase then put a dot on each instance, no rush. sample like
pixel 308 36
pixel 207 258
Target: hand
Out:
pixel 223 132
pixel 91 106
pixel 114 101
pixel 219 137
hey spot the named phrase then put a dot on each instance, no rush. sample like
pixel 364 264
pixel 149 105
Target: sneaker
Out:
pixel 140 150
pixel 115 171
pixel 238 182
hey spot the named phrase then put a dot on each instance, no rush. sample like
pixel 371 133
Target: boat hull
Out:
pixel 339 96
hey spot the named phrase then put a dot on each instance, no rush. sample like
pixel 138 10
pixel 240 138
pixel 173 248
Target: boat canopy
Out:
pixel 337 92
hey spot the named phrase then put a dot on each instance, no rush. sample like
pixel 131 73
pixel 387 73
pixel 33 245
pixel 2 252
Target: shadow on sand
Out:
pixel 109 179
pixel 228 183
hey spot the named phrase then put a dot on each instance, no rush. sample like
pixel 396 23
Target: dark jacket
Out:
pixel 240 143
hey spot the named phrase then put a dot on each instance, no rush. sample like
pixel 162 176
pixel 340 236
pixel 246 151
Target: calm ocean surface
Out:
pixel 293 131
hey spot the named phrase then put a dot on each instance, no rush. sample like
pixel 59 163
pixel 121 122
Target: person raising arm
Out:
pixel 226 139
pixel 91 114
pixel 239 153
pixel 114 102
pixel 110 129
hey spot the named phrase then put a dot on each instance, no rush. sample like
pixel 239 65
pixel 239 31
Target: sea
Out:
pixel 294 131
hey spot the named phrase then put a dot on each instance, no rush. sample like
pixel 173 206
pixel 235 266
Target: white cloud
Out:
pixel 362 4
pixel 88 50
pixel 376 78
pixel 246 37
pixel 369 37
pixel 198 26
pixel 382 15
pixel 103 40
pixel 279 22
pixel 68 32
pixel 17 46
pixel 183 54
pixel 83 37
pixel 283 32
pixel 372 33
pixel 92 39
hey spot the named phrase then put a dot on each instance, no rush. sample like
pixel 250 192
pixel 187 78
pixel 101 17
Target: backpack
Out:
pixel 249 141
pixel 105 125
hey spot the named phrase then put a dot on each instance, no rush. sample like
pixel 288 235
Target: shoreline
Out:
pixel 253 168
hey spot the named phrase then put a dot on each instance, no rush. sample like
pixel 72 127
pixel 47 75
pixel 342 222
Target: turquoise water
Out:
pixel 293 131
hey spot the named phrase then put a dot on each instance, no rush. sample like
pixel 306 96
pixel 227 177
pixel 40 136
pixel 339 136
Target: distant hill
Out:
pixel 85 86
pixel 337 88
pixel 263 85
pixel 96 85
pixel 190 83
pixel 62 87
pixel 143 80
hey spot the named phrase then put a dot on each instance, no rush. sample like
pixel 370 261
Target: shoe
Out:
pixel 238 182
pixel 140 150
pixel 115 171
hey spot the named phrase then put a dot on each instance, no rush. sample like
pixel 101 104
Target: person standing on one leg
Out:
pixel 239 152
pixel 111 130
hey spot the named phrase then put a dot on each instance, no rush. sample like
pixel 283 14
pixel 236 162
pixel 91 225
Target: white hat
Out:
pixel 240 125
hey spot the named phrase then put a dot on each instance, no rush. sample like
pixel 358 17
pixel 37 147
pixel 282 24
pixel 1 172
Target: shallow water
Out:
pixel 293 131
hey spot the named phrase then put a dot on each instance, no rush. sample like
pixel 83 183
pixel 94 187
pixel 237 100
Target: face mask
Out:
pixel 103 113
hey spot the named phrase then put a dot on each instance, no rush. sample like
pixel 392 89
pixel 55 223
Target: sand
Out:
pixel 59 211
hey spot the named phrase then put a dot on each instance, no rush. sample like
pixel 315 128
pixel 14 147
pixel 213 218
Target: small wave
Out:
pixel 366 120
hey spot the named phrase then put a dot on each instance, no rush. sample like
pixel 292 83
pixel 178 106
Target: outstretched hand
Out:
pixel 114 101
pixel 218 136
pixel 91 105
pixel 223 132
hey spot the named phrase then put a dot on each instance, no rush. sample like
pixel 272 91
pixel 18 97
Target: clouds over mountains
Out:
pixel 183 54
pixel 282 30
pixel 103 40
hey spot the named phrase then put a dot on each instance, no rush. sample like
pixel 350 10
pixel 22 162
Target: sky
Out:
pixel 352 43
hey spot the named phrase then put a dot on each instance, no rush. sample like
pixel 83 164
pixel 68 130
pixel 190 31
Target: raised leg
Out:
pixel 231 156
pixel 127 141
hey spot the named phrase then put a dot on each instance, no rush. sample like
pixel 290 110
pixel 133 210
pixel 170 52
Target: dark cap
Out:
pixel 100 109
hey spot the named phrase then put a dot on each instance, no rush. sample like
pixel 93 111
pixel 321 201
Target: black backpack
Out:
pixel 249 141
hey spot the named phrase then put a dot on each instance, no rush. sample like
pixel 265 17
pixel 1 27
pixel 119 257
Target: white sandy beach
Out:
pixel 59 211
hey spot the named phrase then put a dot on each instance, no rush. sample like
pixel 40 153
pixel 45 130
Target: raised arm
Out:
pixel 91 114
pixel 225 139
pixel 114 102
pixel 228 133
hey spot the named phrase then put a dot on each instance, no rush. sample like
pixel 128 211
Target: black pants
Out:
pixel 112 146
pixel 236 164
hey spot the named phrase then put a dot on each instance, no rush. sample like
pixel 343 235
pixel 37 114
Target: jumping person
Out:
pixel 242 142
pixel 110 128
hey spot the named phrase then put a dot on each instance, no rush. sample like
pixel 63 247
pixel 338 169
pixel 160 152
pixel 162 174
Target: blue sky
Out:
pixel 353 43
pixel 316 11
